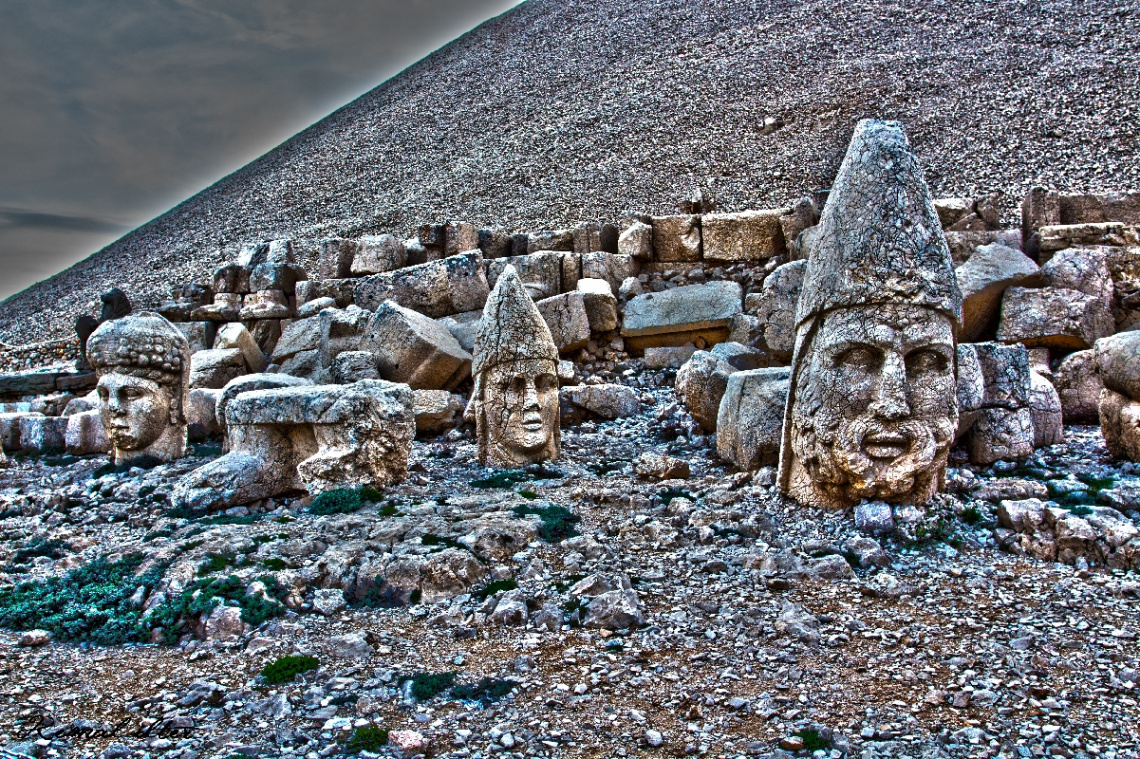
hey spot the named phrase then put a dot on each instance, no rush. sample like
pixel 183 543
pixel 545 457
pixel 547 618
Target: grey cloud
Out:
pixel 12 218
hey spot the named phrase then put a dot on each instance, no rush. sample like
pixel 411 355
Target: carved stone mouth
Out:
pixel 886 445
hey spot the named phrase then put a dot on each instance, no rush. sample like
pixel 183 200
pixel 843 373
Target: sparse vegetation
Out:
pixel 285 668
pixel 368 738
pixel 491 588
pixel 813 741
pixel 344 500
pixel 426 686
pixel 557 521
pixel 486 690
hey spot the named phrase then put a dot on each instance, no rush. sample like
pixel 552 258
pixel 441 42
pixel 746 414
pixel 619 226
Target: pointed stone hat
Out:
pixel 511 329
pixel 880 240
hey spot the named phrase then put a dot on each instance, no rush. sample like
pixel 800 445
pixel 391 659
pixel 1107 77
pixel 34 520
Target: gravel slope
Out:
pixel 568 110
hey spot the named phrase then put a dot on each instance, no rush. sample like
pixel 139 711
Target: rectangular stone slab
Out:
pixel 683 312
pixel 306 404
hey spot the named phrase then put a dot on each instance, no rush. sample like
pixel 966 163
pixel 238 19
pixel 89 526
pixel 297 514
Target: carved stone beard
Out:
pixel 517 413
pixel 874 410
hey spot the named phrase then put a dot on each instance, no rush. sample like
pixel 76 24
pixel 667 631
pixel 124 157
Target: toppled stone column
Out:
pixel 143 363
pixel 308 438
pixel 872 410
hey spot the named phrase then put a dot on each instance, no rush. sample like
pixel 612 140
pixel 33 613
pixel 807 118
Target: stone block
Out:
pixel 750 418
pixel 963 245
pixel 1053 238
pixel 1118 363
pixel 681 315
pixel 701 384
pixel 1039 208
pixel 744 236
pixel 437 288
pixel 1120 424
pixel 1082 269
pixel 232 278
pixel 1124 267
pixel 776 308
pixel 215 367
pixel 200 335
pixel 983 279
pixel 669 357
pixel 43 434
pixel 10 428
pixel 306 364
pixel 85 435
pixel 740 356
pixel 266 333
pixel 601 305
pixel 437 411
pixel 558 239
pixel 376 254
pixel 353 366
pixel 339 290
pixel 568 320
pixel 414 349
pixel 1000 434
pixel 952 210
pixel 1045 412
pixel 235 335
pixel 463 327
pixel 265 304
pixel 970 387
pixel 300 335
pixel 540 272
pixel 275 276
pixel 342 330
pixel 1078 387
pixel 225 308
pixel 246 384
pixel 201 413
pixel 636 241
pixel 335 258
pixel 614 268
pixel 676 238
pixel 1005 374
pixel 571 270
pixel 316 438
pixel 495 243
pixel 795 221
pixel 1053 318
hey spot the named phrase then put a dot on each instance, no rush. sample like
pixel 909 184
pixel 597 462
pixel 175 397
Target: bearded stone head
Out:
pixel 876 410
pixel 143 365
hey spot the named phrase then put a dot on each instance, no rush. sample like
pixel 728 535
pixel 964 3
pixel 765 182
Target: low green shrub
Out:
pixel 344 500
pixel 557 521
pixel 368 738
pixel 813 741
pixel 285 668
pixel 488 689
pixel 426 686
pixel 491 588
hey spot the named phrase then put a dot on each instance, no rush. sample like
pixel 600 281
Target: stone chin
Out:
pixel 519 416
pixel 874 412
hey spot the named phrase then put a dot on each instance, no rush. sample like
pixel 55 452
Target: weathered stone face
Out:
pixel 519 420
pixel 143 365
pixel 875 413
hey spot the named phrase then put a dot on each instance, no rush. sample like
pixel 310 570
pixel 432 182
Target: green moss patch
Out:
pixel 557 521
pixel 486 690
pixel 284 669
pixel 508 478
pixel 344 500
pixel 369 738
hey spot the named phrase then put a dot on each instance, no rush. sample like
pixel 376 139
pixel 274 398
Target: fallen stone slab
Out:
pixel 313 438
pixel 606 401
pixel 1078 385
pixel 437 288
pixel 412 348
pixel 437 411
pixel 1118 363
pixel 215 367
pixel 983 279
pixel 750 418
pixel 1053 318
pixel 568 320
pixel 681 315
pixel 701 384
pixel 43 434
pixel 676 238
pixel 235 335
pixel 247 384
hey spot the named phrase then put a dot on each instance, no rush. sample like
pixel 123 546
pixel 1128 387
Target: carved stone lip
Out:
pixel 886 445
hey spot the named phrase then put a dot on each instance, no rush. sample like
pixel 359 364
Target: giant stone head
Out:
pixel 515 401
pixel 872 409
pixel 143 363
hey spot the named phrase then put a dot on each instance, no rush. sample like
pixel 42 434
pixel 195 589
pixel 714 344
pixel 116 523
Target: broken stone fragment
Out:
pixel 43 434
pixel 412 348
pixel 1005 375
pixel 297 336
pixel 436 288
pixel 605 401
pixel 215 367
pixel 1053 318
pixel 265 304
pixel 199 335
pixel 437 411
pixel 376 254
pixel 276 276
pixel 342 330
pixel 201 414
pixel 1000 434
pixel 775 307
pixel 1120 424
pixel 353 366
pixel 657 466
pixel 568 320
pixel 1078 386
pixel 601 305
pixel 232 278
pixel 701 384
pixel 249 383
pixel 750 417
pixel 540 272
pixel 334 261
pixel 676 238
pixel 1082 269
pixel 1045 412
pixel 225 308
pixel 636 241
pixel 235 335
pixel 983 279
pixel 1118 363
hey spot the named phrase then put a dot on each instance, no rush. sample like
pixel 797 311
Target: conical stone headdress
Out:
pixel 512 329
pixel 880 240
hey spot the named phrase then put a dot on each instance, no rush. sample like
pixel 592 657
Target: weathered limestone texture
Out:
pixel 435 288
pixel 515 404
pixel 314 438
pixel 751 416
pixel 1079 385
pixel 745 236
pixel 990 270
pixel 409 347
pixel 143 363
pixel 682 315
pixel 872 407
pixel 701 384
pixel 1118 364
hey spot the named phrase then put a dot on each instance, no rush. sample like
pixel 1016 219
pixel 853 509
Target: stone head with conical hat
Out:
pixel 872 409
pixel 143 363
pixel 515 401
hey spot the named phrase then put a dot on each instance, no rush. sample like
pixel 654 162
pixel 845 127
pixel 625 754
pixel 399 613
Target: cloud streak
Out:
pixel 11 218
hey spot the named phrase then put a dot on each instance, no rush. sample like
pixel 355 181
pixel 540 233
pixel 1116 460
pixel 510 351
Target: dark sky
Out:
pixel 112 111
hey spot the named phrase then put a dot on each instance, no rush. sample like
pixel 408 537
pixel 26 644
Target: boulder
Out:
pixel 437 411
pixel 415 349
pixel 43 434
pixel 605 401
pixel 657 466
pixel 334 260
pixel 342 330
pixel 436 288
pixel 568 320
pixel 297 336
pixel 795 221
pixel 265 304
pixel 615 610
pixel 670 357
pixel 676 238
pixel 199 335
pixel 1053 318
pixel 232 278
pixel 983 279
pixel 202 413
pixel 701 384
pixel 1118 363
pixel 541 272
pixel 681 315
pixel 215 367
pixel 744 236
pixel 463 327
pixel 1078 387
pixel 614 268
pixel 1082 269
pixel 85 434
pixel 376 254
pixel 740 356
pixel 750 417
pixel 235 335
pixel 1120 424
pixel 601 305
pixel 276 276
pixel 775 307
pixel 1045 411
pixel 352 366
pixel 266 333
pixel 1000 434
